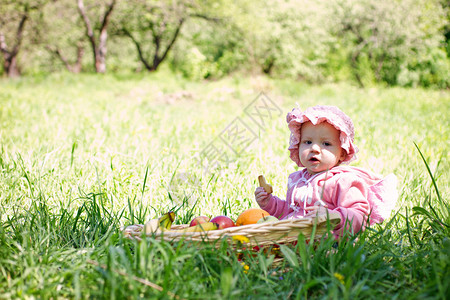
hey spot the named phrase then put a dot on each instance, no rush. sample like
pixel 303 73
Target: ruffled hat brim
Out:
pixel 315 115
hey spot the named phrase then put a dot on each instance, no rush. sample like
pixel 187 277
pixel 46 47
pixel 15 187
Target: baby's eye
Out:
pixel 307 142
pixel 326 144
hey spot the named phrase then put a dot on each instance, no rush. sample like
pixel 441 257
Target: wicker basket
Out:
pixel 264 234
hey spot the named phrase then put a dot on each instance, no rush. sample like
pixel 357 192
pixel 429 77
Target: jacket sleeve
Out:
pixel 349 197
pixel 278 207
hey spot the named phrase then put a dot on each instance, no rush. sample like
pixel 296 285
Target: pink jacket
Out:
pixel 355 193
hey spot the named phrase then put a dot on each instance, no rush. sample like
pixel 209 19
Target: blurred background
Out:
pixel 388 42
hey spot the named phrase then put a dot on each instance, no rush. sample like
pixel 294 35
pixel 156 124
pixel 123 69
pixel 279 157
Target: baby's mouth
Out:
pixel 313 159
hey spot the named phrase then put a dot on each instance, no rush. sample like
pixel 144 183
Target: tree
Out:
pixel 384 37
pixel 14 16
pixel 154 26
pixel 64 37
pixel 290 38
pixel 98 44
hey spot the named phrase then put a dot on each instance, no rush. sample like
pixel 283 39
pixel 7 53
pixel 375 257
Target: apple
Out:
pixel 267 219
pixel 199 220
pixel 223 222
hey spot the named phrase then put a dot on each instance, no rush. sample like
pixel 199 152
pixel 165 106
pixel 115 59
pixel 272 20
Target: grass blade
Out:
pixel 290 256
pixel 429 172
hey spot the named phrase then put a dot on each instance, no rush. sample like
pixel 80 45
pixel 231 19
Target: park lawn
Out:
pixel 83 155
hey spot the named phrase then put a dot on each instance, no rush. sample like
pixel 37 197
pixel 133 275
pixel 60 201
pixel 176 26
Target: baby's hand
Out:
pixel 261 196
pixel 312 211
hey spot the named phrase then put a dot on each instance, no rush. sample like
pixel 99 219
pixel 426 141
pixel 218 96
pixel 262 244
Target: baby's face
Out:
pixel 320 147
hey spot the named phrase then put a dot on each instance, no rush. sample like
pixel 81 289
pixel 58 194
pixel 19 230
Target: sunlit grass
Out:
pixel 82 155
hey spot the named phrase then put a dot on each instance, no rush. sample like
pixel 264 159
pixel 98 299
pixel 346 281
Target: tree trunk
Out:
pixel 100 62
pixel 10 56
pixel 354 65
pixel 99 50
pixel 354 60
pixel 71 67
pixel 11 67
pixel 139 49
pixel 76 68
pixel 158 57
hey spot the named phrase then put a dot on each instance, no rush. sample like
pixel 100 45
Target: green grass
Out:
pixel 81 156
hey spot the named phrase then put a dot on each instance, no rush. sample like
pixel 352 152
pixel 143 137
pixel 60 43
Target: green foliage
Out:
pixel 62 43
pixel 397 42
pixel 431 69
pixel 194 65
pixel 298 39
pixel 210 47
pixel 390 42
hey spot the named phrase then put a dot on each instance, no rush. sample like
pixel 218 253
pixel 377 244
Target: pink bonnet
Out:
pixel 318 114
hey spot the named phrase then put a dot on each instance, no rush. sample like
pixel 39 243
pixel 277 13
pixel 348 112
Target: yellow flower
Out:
pixel 246 267
pixel 241 238
pixel 339 277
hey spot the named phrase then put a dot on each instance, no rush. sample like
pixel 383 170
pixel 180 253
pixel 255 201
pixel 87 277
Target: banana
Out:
pixel 199 228
pixel 162 223
pixel 166 220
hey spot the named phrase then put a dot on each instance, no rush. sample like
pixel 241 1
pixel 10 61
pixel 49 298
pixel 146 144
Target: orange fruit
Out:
pixel 251 216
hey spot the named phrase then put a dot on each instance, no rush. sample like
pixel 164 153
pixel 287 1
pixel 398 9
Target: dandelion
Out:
pixel 339 277
pixel 245 267
pixel 241 238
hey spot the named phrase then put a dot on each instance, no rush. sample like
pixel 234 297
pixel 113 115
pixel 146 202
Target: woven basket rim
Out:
pixel 264 233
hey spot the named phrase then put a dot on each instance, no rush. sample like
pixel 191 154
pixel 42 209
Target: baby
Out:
pixel 321 141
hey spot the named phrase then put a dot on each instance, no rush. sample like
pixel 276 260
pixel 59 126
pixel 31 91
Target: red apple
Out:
pixel 199 220
pixel 223 222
